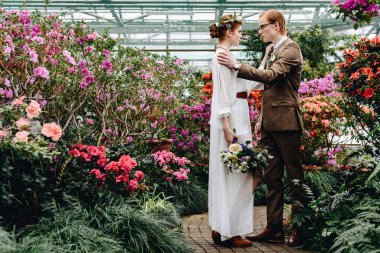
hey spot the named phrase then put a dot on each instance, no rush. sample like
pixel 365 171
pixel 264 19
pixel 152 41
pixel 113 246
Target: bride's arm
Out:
pixel 226 98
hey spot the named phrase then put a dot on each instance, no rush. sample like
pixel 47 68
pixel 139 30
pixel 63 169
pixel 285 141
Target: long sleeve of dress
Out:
pixel 227 90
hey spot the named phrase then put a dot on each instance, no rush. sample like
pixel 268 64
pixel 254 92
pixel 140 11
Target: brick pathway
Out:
pixel 198 235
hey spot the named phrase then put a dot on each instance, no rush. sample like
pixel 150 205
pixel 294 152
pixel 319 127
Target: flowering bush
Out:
pixel 116 176
pixel 174 168
pixel 359 81
pixel 27 156
pixel 323 120
pixel 360 11
pixel 21 128
pixel 92 86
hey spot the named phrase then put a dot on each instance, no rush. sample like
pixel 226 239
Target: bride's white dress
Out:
pixel 230 197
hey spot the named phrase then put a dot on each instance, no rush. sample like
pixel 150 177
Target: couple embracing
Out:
pixel 279 129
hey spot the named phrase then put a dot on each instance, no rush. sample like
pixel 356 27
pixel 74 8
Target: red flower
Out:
pixel 98 174
pixel 102 162
pixel 86 157
pixel 93 150
pixel 112 166
pixel 127 163
pixel 368 93
pixel 139 175
pixel 132 185
pixel 122 178
pixel 74 152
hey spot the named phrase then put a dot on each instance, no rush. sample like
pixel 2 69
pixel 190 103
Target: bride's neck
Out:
pixel 225 45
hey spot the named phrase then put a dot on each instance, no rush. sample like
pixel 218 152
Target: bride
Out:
pixel 230 194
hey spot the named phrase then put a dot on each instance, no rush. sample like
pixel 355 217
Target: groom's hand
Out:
pixel 226 59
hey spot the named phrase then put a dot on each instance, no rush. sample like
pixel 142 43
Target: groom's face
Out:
pixel 267 30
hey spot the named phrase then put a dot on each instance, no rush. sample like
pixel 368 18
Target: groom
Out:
pixel 280 123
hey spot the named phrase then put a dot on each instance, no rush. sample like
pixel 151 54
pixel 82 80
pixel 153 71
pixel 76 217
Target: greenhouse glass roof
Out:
pixel 181 26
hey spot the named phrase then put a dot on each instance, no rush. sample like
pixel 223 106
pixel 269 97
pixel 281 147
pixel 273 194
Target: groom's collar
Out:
pixel 278 44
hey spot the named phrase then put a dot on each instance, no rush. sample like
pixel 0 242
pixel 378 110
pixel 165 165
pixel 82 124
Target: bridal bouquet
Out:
pixel 245 157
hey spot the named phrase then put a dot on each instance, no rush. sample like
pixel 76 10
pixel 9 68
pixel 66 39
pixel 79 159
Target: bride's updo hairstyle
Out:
pixel 226 22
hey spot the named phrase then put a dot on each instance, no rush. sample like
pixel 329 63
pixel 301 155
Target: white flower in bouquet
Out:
pixel 235 148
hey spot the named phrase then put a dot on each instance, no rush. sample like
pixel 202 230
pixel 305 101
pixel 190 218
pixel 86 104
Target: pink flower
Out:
pixel 21 136
pixel 38 39
pixel 52 130
pixel 18 101
pixel 22 123
pixel 129 139
pixel 42 72
pixel 33 110
pixel 69 58
pixel 178 61
pixel 133 184
pixel 7 50
pixel 3 134
pixel 90 121
pixel 33 56
pixel 7 83
pixel 89 49
pixel 139 175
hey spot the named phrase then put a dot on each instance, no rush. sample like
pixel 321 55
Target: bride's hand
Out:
pixel 229 135
pixel 269 49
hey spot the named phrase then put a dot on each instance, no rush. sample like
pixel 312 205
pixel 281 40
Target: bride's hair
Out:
pixel 226 22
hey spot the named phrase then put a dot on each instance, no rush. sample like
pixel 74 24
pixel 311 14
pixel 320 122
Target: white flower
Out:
pixel 272 58
pixel 235 147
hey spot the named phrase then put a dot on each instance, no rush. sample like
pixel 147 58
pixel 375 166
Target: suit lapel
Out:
pixel 277 52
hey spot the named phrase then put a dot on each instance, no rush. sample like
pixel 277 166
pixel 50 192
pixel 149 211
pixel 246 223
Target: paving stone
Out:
pixel 198 236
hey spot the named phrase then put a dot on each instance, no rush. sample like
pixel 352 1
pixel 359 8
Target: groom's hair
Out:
pixel 274 16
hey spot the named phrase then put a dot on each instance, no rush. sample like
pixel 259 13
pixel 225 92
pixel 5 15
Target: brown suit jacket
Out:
pixel 281 103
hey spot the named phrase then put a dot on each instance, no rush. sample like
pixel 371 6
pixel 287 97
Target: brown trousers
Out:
pixel 284 146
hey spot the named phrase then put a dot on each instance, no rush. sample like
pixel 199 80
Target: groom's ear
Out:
pixel 277 26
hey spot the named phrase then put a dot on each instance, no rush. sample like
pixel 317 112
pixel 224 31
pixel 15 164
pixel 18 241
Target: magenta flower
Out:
pixel 89 79
pixel 83 85
pixel 41 72
pixel 372 9
pixel 107 65
pixel 89 49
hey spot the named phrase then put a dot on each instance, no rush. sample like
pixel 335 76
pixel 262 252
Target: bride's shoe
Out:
pixel 237 241
pixel 216 237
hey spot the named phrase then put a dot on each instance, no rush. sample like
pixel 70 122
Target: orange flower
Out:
pixel 355 75
pixel 207 77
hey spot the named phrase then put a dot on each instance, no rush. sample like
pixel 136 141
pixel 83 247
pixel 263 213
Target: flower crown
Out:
pixel 228 23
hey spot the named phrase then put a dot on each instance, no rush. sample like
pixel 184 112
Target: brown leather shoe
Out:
pixel 269 235
pixel 237 241
pixel 295 239
pixel 216 237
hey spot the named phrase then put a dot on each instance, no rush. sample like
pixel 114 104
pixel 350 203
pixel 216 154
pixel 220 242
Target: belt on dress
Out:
pixel 243 95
